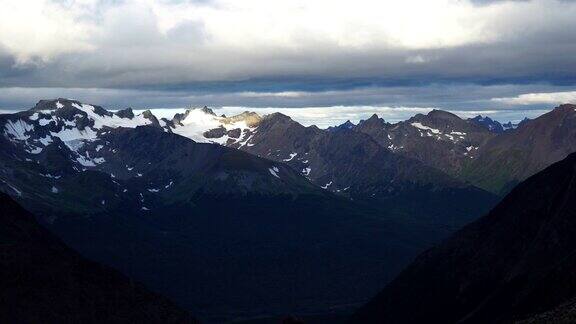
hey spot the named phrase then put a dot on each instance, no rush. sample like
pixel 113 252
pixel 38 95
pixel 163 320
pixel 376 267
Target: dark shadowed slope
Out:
pixel 563 314
pixel 516 261
pixel 43 281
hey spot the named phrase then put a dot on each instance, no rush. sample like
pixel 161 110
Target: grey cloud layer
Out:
pixel 461 97
pixel 129 56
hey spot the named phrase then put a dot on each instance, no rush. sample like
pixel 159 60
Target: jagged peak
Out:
pixel 125 113
pixel 443 114
pixel 207 110
pixel 63 104
pixel 204 109
pixel 53 104
pixel 150 116
pixel 374 120
pixel 481 118
pixel 374 117
pixel 345 125
pixel 251 118
pixel 566 108
pixel 277 116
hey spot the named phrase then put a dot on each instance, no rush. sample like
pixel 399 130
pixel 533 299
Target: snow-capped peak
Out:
pixel 203 125
pixel 69 120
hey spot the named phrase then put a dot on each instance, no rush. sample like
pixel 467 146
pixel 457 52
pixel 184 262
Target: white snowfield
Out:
pixel 197 122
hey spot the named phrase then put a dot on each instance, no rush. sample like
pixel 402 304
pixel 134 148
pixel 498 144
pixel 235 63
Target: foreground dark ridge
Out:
pixel 43 281
pixel 516 261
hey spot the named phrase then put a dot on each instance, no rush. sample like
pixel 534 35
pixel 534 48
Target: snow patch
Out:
pixel 274 171
pixel 18 192
pixel 35 150
pixel 45 140
pixel 426 128
pixel 326 185
pixel 44 122
pixel 48 175
pixel 18 129
pixel 292 155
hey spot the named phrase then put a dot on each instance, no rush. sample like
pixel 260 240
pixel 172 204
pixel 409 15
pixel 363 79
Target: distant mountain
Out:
pixel 439 139
pixel 346 125
pixel 515 155
pixel 516 262
pixel 354 165
pixel 510 125
pixel 326 157
pixel 225 233
pixel 43 281
pixel 490 124
pixel 494 125
pixel 343 162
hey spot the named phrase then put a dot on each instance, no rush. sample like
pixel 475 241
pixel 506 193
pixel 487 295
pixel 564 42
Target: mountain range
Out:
pixel 235 217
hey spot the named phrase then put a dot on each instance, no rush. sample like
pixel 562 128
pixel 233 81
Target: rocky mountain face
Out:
pixel 515 262
pixel 439 139
pixel 43 281
pixel 352 164
pixel 346 125
pixel 342 161
pixel 515 155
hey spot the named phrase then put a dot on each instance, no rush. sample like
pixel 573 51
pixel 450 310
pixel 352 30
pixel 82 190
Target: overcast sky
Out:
pixel 507 58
